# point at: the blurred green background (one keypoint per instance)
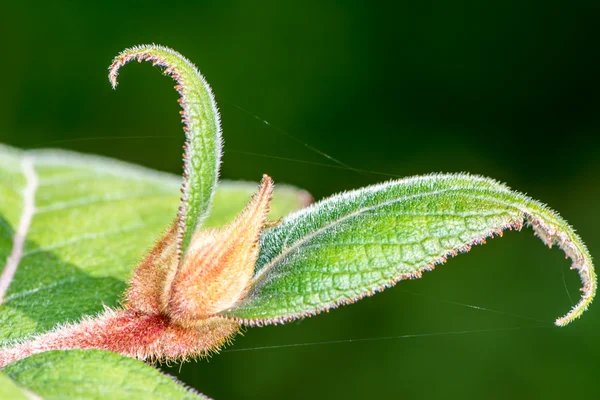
(506, 90)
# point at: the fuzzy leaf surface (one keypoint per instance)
(94, 374)
(360, 242)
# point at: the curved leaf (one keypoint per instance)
(202, 126)
(358, 243)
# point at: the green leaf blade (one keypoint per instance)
(94, 374)
(357, 243)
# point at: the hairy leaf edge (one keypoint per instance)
(546, 223)
(176, 70)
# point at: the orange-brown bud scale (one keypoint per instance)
(147, 285)
(217, 268)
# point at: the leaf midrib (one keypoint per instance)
(13, 261)
(286, 251)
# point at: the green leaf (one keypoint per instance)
(358, 243)
(93, 374)
(202, 126)
(93, 219)
(9, 390)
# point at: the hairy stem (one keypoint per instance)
(142, 336)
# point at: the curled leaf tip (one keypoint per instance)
(553, 230)
(146, 52)
(202, 126)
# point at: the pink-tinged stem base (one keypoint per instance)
(135, 335)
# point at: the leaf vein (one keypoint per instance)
(25, 222)
(89, 236)
(301, 242)
(86, 201)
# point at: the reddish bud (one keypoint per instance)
(172, 305)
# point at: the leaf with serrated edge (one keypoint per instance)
(358, 243)
(93, 220)
(94, 374)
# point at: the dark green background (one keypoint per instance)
(508, 91)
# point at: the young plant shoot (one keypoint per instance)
(202, 282)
